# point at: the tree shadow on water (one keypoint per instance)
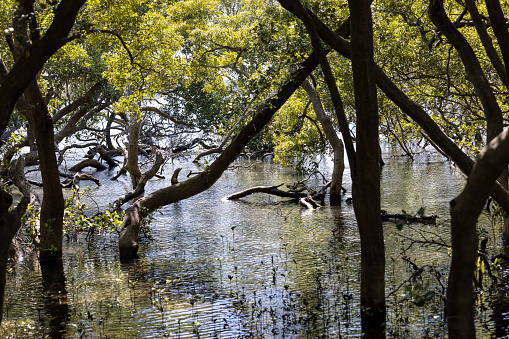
(55, 298)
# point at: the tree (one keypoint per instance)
(13, 83)
(35, 55)
(366, 182)
(465, 210)
(417, 113)
(128, 240)
(10, 221)
(335, 142)
(264, 112)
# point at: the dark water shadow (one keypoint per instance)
(55, 300)
(499, 303)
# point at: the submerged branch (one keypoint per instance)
(274, 190)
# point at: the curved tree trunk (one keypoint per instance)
(486, 41)
(465, 209)
(128, 240)
(107, 133)
(409, 107)
(498, 22)
(140, 188)
(335, 142)
(492, 111)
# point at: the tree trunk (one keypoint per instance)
(492, 111)
(128, 240)
(31, 62)
(109, 123)
(465, 210)
(498, 22)
(99, 166)
(366, 186)
(10, 222)
(335, 142)
(55, 299)
(487, 42)
(115, 206)
(132, 165)
(409, 107)
(52, 209)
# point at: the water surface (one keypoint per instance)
(257, 267)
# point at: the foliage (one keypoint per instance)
(298, 140)
(429, 70)
(76, 220)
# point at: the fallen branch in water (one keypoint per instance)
(408, 217)
(309, 203)
(274, 190)
(88, 163)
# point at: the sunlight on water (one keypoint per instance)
(256, 267)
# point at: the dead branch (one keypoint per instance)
(122, 171)
(234, 167)
(174, 177)
(309, 203)
(68, 147)
(193, 143)
(409, 218)
(273, 190)
(208, 152)
(88, 163)
(105, 154)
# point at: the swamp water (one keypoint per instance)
(253, 268)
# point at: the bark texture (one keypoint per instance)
(366, 185)
(465, 209)
(132, 165)
(52, 208)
